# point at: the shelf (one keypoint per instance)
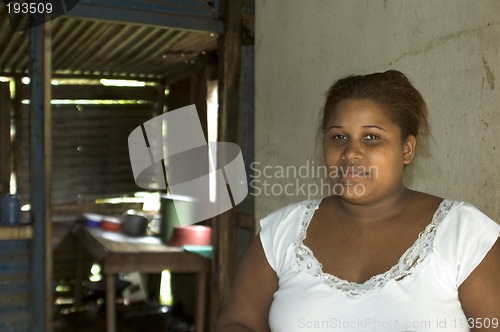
(24, 232)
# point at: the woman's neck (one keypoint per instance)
(384, 209)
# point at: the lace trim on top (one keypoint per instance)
(408, 262)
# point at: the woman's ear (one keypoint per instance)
(409, 149)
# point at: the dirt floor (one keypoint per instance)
(90, 316)
(136, 318)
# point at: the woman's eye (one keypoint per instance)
(338, 137)
(371, 137)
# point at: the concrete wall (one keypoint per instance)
(448, 48)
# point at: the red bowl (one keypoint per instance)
(111, 224)
(191, 235)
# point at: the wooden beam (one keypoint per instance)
(17, 232)
(225, 226)
(40, 176)
(102, 92)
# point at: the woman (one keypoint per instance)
(376, 255)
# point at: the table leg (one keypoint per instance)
(200, 303)
(79, 277)
(110, 303)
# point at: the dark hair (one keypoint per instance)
(391, 90)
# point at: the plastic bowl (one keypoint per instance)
(92, 220)
(111, 224)
(191, 235)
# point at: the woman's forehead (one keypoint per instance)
(358, 110)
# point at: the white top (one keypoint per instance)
(420, 293)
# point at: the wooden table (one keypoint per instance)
(120, 253)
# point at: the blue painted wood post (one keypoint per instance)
(40, 157)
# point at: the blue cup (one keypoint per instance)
(10, 210)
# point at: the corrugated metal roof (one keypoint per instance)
(85, 47)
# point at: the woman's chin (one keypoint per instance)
(348, 188)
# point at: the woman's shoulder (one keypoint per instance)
(281, 228)
(457, 221)
(291, 209)
(464, 236)
(443, 207)
(464, 213)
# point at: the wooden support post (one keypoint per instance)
(17, 145)
(5, 145)
(110, 302)
(40, 176)
(225, 225)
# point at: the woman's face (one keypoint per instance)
(364, 151)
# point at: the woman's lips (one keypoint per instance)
(353, 173)
(353, 176)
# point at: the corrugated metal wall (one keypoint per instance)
(90, 141)
(15, 313)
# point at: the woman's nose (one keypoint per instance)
(352, 151)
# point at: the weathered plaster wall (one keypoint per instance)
(450, 51)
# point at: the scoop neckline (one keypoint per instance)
(416, 254)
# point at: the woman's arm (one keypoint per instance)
(480, 293)
(251, 294)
